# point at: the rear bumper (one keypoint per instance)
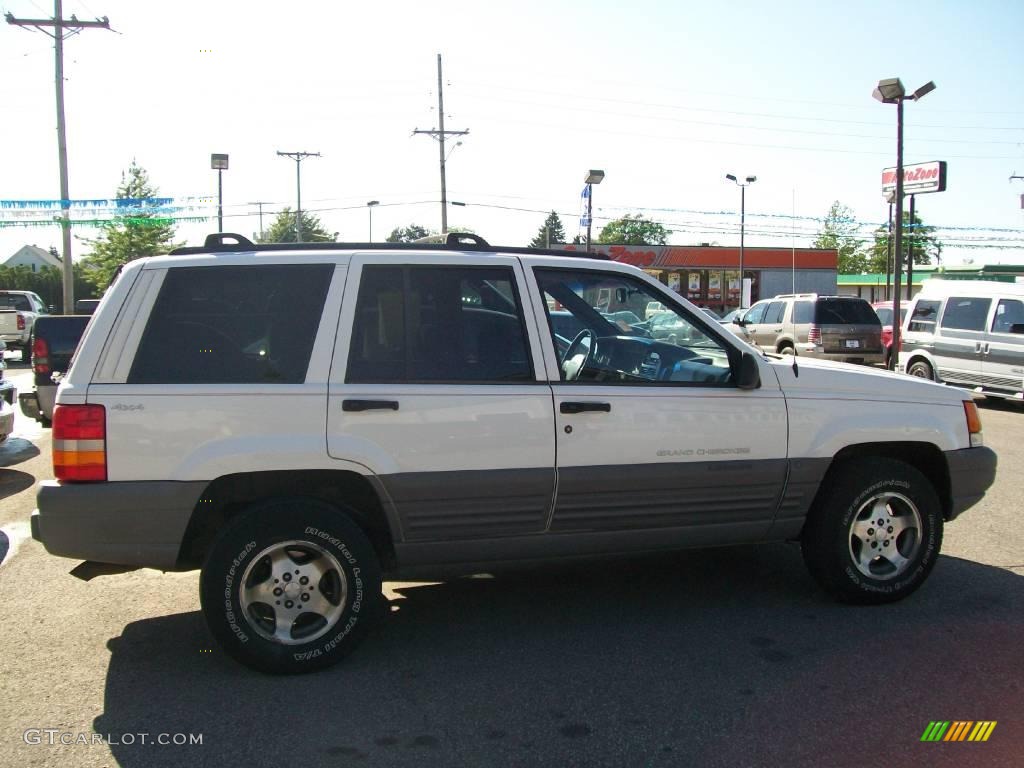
(139, 523)
(971, 472)
(853, 356)
(29, 404)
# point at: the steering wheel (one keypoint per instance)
(578, 353)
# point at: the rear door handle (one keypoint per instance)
(369, 405)
(569, 407)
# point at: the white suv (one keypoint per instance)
(300, 420)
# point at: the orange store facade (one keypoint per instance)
(709, 275)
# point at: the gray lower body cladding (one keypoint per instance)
(132, 523)
(971, 472)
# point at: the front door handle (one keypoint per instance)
(369, 405)
(570, 407)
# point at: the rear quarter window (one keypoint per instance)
(233, 325)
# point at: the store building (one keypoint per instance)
(877, 286)
(709, 275)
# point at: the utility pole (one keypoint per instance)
(260, 203)
(439, 134)
(298, 157)
(59, 24)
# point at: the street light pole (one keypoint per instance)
(369, 207)
(743, 216)
(592, 178)
(891, 91)
(219, 163)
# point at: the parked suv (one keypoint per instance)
(300, 420)
(967, 333)
(843, 328)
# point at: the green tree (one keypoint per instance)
(634, 230)
(551, 231)
(840, 232)
(408, 234)
(282, 229)
(128, 237)
(927, 247)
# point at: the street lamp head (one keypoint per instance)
(751, 179)
(730, 177)
(594, 177)
(372, 203)
(889, 91)
(219, 162)
(924, 90)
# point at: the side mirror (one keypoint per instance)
(738, 320)
(748, 374)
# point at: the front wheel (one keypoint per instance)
(291, 586)
(875, 533)
(922, 370)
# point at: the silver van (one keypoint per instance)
(967, 333)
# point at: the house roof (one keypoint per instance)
(33, 250)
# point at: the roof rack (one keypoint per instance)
(229, 242)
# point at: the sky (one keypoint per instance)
(664, 97)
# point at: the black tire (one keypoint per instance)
(786, 349)
(922, 369)
(836, 537)
(329, 554)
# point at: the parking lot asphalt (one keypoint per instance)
(727, 657)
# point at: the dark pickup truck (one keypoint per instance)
(54, 340)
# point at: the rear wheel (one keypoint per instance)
(922, 369)
(875, 533)
(291, 586)
(786, 349)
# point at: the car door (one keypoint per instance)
(653, 435)
(440, 392)
(959, 343)
(771, 326)
(1002, 363)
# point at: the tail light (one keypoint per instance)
(80, 443)
(40, 356)
(814, 335)
(973, 423)
(21, 322)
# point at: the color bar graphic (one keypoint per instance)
(958, 730)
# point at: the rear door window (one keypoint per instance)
(845, 312)
(233, 325)
(966, 313)
(438, 325)
(774, 312)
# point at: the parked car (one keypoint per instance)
(18, 313)
(54, 340)
(298, 421)
(8, 394)
(967, 333)
(842, 328)
(884, 311)
(653, 308)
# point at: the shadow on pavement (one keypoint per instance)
(15, 450)
(12, 481)
(724, 657)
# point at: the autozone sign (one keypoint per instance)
(917, 179)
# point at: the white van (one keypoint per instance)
(969, 333)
